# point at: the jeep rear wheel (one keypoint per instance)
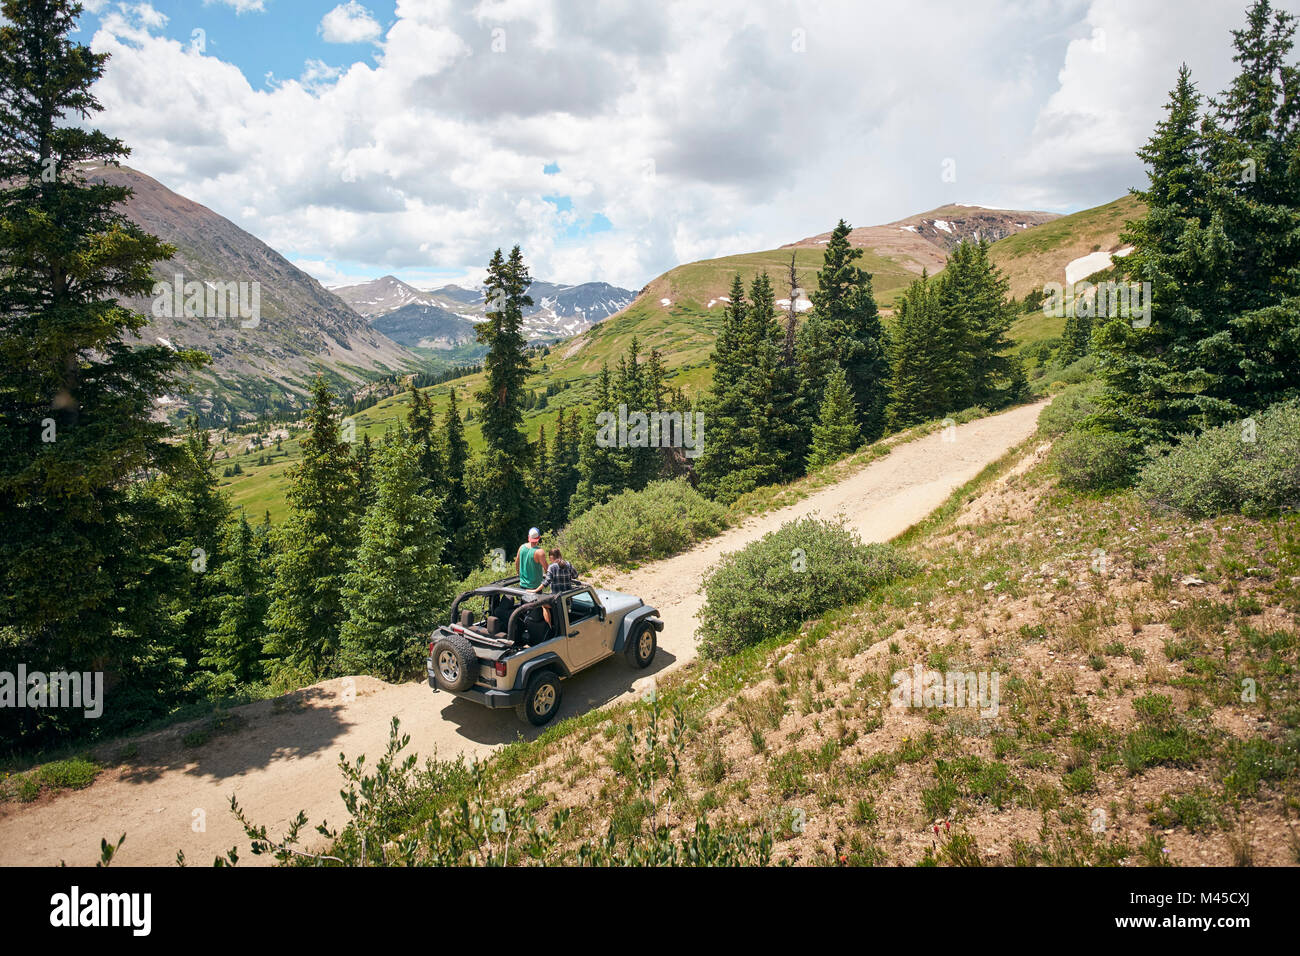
(641, 646)
(455, 665)
(541, 699)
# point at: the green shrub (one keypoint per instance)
(1196, 811)
(68, 774)
(1080, 780)
(1077, 371)
(1069, 408)
(797, 572)
(664, 518)
(1221, 471)
(969, 414)
(1094, 461)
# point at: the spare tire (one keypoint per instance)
(455, 665)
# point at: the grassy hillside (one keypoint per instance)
(1040, 255)
(261, 488)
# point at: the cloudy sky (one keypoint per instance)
(616, 140)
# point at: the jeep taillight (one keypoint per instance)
(431, 648)
(500, 668)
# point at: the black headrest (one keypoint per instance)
(493, 624)
(466, 618)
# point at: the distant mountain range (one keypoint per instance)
(301, 328)
(444, 318)
(352, 335)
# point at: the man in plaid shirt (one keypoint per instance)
(560, 576)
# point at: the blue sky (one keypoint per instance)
(613, 141)
(276, 39)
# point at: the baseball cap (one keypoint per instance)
(534, 533)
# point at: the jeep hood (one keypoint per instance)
(618, 603)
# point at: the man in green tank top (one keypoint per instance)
(530, 561)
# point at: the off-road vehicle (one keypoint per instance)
(499, 651)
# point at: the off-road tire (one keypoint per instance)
(537, 710)
(642, 646)
(455, 665)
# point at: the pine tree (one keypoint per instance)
(464, 541)
(500, 480)
(836, 432)
(539, 481)
(765, 438)
(365, 473)
(777, 396)
(725, 412)
(753, 412)
(791, 312)
(1076, 338)
(924, 363)
(425, 434)
(599, 474)
(201, 513)
(233, 651)
(977, 315)
(1252, 151)
(398, 582)
(844, 328)
(316, 546)
(1220, 246)
(640, 463)
(568, 445)
(76, 401)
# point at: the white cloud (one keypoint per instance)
(349, 23)
(240, 6)
(1112, 87)
(696, 129)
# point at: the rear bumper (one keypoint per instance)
(490, 697)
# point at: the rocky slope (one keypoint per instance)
(257, 362)
(924, 240)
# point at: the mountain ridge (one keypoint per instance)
(259, 363)
(558, 311)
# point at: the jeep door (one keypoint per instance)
(589, 629)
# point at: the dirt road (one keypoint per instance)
(283, 756)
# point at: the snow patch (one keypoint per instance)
(942, 224)
(665, 301)
(1085, 266)
(908, 228)
(801, 304)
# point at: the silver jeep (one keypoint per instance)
(499, 651)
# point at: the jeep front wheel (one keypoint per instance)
(641, 646)
(541, 699)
